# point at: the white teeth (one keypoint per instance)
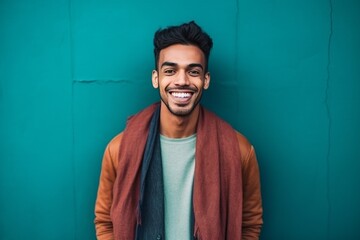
(181, 94)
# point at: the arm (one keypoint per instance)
(103, 223)
(252, 203)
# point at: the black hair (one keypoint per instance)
(186, 34)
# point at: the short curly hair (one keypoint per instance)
(186, 34)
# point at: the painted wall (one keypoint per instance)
(285, 73)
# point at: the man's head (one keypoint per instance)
(181, 75)
(185, 34)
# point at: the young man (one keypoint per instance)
(178, 171)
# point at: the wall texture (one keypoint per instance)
(285, 73)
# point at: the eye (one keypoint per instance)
(169, 71)
(194, 73)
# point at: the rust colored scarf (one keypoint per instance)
(217, 193)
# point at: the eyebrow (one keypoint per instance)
(192, 65)
(170, 64)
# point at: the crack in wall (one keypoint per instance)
(73, 161)
(100, 81)
(236, 35)
(236, 60)
(328, 114)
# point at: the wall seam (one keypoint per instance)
(328, 113)
(236, 34)
(236, 61)
(72, 119)
(100, 81)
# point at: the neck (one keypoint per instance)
(173, 126)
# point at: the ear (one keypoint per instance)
(155, 79)
(206, 80)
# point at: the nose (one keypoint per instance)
(182, 79)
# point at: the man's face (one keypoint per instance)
(181, 78)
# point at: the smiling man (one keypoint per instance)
(181, 77)
(178, 171)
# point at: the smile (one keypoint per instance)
(181, 94)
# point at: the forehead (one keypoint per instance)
(182, 55)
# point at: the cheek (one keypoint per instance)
(162, 87)
(164, 82)
(200, 83)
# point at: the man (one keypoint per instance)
(178, 171)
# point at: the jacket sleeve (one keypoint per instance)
(252, 202)
(103, 223)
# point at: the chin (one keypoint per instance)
(182, 111)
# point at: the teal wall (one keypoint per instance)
(285, 73)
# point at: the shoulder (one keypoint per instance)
(244, 144)
(247, 151)
(227, 130)
(113, 148)
(115, 142)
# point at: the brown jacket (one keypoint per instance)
(252, 205)
(252, 209)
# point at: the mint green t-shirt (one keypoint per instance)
(178, 161)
